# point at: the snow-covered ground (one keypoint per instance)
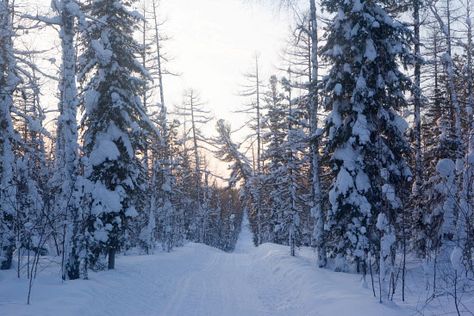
(200, 280)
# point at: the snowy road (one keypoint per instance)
(221, 287)
(197, 280)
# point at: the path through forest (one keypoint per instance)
(197, 280)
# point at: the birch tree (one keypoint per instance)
(8, 82)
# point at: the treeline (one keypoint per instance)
(116, 173)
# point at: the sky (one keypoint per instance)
(213, 44)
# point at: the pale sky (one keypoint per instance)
(213, 43)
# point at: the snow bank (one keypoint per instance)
(298, 287)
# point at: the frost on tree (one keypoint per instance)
(439, 222)
(195, 116)
(364, 90)
(274, 139)
(8, 83)
(240, 167)
(66, 182)
(283, 167)
(114, 123)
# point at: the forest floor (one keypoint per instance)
(197, 280)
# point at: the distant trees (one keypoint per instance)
(194, 117)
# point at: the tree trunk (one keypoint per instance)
(111, 258)
(316, 211)
(417, 100)
(158, 55)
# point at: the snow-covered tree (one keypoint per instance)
(435, 234)
(32, 170)
(8, 82)
(308, 60)
(364, 89)
(114, 122)
(241, 171)
(314, 109)
(66, 181)
(194, 117)
(160, 211)
(283, 176)
(274, 138)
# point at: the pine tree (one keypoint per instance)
(114, 122)
(364, 89)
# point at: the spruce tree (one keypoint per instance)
(364, 89)
(114, 122)
(283, 169)
(274, 139)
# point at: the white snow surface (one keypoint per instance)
(445, 167)
(245, 240)
(198, 280)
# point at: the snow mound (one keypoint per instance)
(445, 167)
(298, 287)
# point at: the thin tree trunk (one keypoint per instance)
(404, 265)
(197, 166)
(372, 275)
(259, 119)
(111, 258)
(464, 221)
(291, 184)
(317, 211)
(158, 53)
(417, 100)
